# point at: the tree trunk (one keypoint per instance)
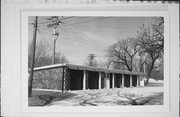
(149, 72)
(147, 80)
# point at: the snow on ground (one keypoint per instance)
(155, 81)
(150, 95)
(117, 96)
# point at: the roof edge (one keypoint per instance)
(50, 67)
(90, 68)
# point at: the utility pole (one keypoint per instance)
(54, 23)
(33, 57)
(55, 37)
(91, 59)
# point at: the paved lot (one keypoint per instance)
(151, 95)
(112, 97)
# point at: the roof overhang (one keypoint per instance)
(89, 68)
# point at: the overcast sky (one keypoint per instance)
(80, 36)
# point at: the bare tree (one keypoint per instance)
(151, 42)
(104, 64)
(43, 55)
(123, 52)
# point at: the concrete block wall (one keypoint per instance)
(48, 79)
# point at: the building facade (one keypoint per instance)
(67, 77)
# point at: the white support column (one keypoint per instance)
(141, 80)
(99, 80)
(84, 80)
(130, 80)
(137, 81)
(107, 80)
(113, 80)
(123, 80)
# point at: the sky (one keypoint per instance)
(81, 36)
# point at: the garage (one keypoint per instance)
(127, 80)
(76, 79)
(111, 80)
(93, 78)
(103, 76)
(118, 80)
(134, 80)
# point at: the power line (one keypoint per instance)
(84, 22)
(84, 42)
(80, 41)
(76, 19)
(76, 33)
(70, 17)
(100, 43)
(43, 23)
(47, 22)
(45, 31)
(92, 42)
(102, 18)
(87, 21)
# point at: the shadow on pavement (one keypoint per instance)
(45, 98)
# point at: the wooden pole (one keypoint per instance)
(54, 46)
(33, 57)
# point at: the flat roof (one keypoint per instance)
(89, 68)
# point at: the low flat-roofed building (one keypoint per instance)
(77, 77)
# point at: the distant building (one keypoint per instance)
(76, 77)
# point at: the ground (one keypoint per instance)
(150, 95)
